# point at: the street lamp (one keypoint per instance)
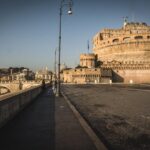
(62, 4)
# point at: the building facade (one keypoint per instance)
(87, 75)
(44, 74)
(17, 74)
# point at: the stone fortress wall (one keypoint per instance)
(87, 72)
(127, 71)
(126, 51)
(82, 75)
(130, 42)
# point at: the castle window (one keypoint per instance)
(115, 40)
(138, 37)
(126, 38)
(148, 37)
(100, 37)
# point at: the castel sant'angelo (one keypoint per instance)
(120, 55)
(126, 51)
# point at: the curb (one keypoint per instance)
(94, 138)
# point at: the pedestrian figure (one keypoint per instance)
(20, 85)
(43, 84)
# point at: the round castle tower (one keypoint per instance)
(126, 51)
(129, 43)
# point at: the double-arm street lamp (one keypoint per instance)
(63, 3)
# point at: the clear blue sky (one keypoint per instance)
(29, 28)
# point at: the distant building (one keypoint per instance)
(4, 77)
(15, 73)
(44, 74)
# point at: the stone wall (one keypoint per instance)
(11, 104)
(87, 75)
(136, 50)
(131, 76)
(82, 75)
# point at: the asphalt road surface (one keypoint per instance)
(120, 115)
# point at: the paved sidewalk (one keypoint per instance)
(69, 134)
(46, 124)
(33, 128)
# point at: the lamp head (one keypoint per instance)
(70, 11)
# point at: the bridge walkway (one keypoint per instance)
(46, 124)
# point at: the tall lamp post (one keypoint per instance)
(62, 4)
(55, 65)
(55, 74)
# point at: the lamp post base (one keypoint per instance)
(58, 94)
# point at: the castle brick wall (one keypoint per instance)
(136, 76)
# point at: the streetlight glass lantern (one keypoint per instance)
(70, 11)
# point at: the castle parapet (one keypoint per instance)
(131, 42)
(87, 60)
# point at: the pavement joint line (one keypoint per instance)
(94, 138)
